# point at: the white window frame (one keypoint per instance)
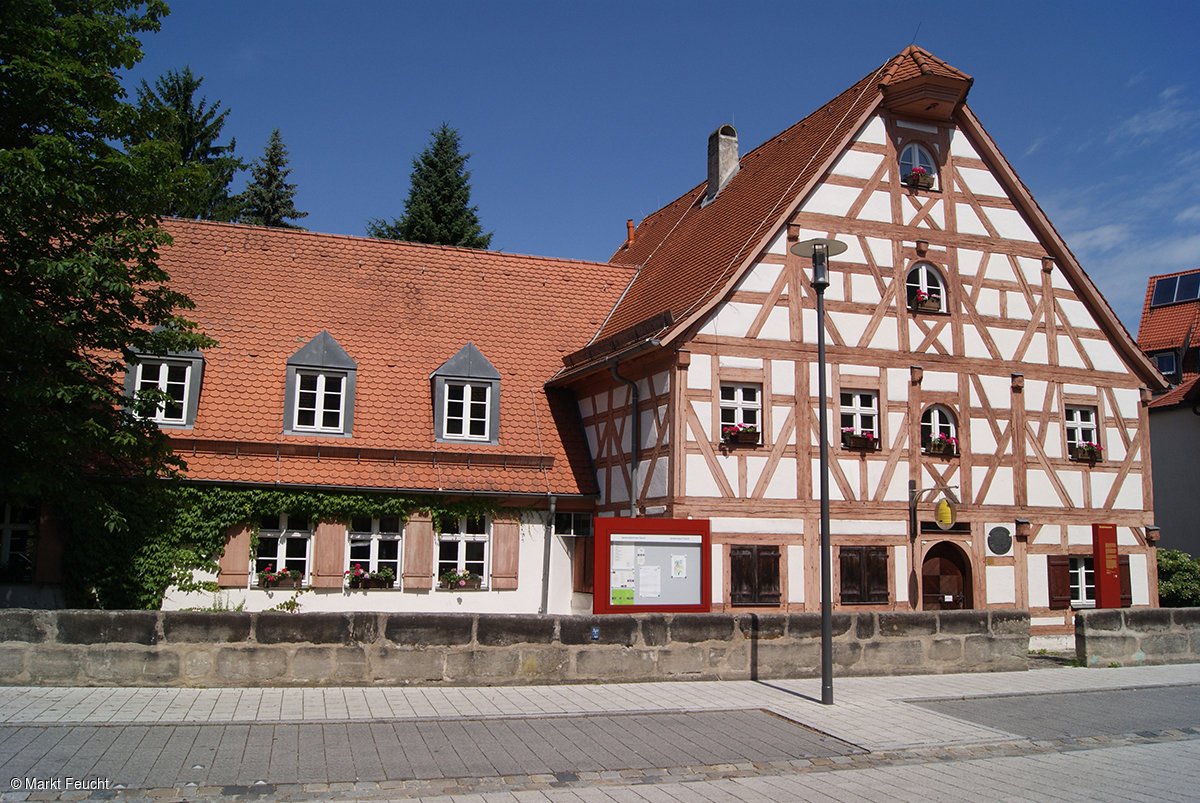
(467, 418)
(747, 413)
(282, 535)
(462, 538)
(856, 410)
(1083, 582)
(938, 418)
(373, 538)
(323, 395)
(920, 157)
(164, 368)
(928, 279)
(9, 527)
(1078, 428)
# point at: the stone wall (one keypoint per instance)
(181, 648)
(1134, 636)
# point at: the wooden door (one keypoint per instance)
(945, 579)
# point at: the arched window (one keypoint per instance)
(926, 290)
(916, 158)
(939, 431)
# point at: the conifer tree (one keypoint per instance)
(438, 209)
(269, 200)
(169, 112)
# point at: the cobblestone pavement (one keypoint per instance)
(949, 737)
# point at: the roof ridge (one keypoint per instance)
(385, 242)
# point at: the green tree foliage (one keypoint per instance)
(80, 287)
(169, 112)
(438, 209)
(269, 200)
(1178, 579)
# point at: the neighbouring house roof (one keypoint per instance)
(1167, 327)
(689, 256)
(397, 311)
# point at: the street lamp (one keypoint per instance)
(819, 250)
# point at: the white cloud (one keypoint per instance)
(1189, 215)
(1034, 146)
(1171, 115)
(1102, 238)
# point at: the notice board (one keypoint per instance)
(652, 565)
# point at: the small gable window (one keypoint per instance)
(925, 288)
(1165, 362)
(939, 431)
(321, 380)
(917, 168)
(173, 380)
(466, 398)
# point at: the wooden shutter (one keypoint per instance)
(850, 569)
(234, 565)
(506, 552)
(767, 575)
(328, 554)
(582, 563)
(1058, 567)
(741, 575)
(1126, 589)
(418, 552)
(47, 563)
(875, 574)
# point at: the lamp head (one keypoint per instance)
(819, 249)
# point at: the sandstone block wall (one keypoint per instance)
(1135, 636)
(182, 648)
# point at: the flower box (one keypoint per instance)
(945, 448)
(927, 305)
(461, 584)
(370, 582)
(864, 443)
(1087, 453)
(919, 181)
(279, 582)
(739, 435)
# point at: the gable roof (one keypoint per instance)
(1168, 327)
(397, 311)
(323, 352)
(468, 363)
(690, 256)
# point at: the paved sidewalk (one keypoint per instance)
(653, 741)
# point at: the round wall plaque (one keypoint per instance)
(999, 540)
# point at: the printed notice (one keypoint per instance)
(641, 556)
(621, 596)
(679, 567)
(622, 557)
(622, 578)
(650, 581)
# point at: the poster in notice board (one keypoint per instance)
(652, 565)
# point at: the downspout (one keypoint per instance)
(635, 440)
(546, 554)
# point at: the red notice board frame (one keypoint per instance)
(605, 528)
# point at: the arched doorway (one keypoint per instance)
(946, 579)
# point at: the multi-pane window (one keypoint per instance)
(320, 401)
(17, 530)
(939, 427)
(284, 542)
(754, 575)
(925, 288)
(462, 545)
(1173, 289)
(1081, 426)
(578, 526)
(741, 404)
(171, 379)
(863, 574)
(1165, 362)
(375, 544)
(914, 156)
(465, 415)
(860, 412)
(1083, 583)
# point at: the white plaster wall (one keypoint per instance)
(1001, 490)
(760, 278)
(777, 326)
(851, 326)
(887, 336)
(960, 145)
(1079, 534)
(1001, 584)
(1139, 579)
(779, 244)
(980, 182)
(730, 319)
(658, 478)
(1041, 491)
(783, 481)
(778, 420)
(754, 470)
(1103, 355)
(830, 199)
(849, 369)
(864, 289)
(1076, 313)
(878, 207)
(865, 527)
(1130, 495)
(881, 250)
(900, 561)
(700, 481)
(699, 373)
(795, 578)
(1125, 537)
(968, 221)
(731, 361)
(1068, 354)
(857, 164)
(562, 597)
(897, 381)
(1039, 583)
(783, 377)
(764, 526)
(939, 381)
(969, 261)
(718, 573)
(1010, 225)
(873, 131)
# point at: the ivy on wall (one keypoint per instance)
(181, 529)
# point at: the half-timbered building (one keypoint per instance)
(970, 358)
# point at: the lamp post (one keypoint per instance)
(819, 250)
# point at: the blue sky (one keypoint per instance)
(580, 115)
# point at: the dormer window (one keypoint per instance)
(466, 398)
(175, 379)
(917, 168)
(1165, 362)
(321, 379)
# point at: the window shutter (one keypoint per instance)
(850, 568)
(506, 552)
(582, 565)
(768, 575)
(876, 579)
(1058, 568)
(1126, 590)
(328, 554)
(234, 565)
(47, 564)
(741, 575)
(418, 552)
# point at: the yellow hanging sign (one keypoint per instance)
(945, 514)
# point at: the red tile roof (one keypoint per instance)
(399, 310)
(1166, 327)
(1187, 391)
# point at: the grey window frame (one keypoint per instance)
(468, 367)
(322, 355)
(194, 363)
